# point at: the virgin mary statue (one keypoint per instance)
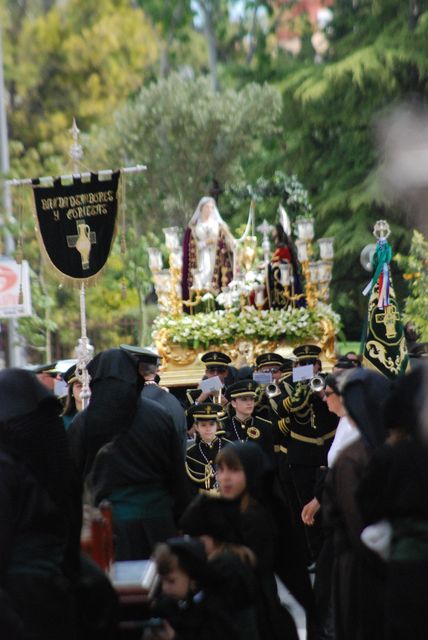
(207, 250)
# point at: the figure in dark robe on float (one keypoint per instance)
(284, 254)
(208, 248)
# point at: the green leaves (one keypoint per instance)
(75, 60)
(188, 135)
(415, 268)
(374, 60)
(216, 328)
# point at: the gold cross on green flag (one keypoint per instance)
(385, 348)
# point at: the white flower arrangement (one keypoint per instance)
(215, 328)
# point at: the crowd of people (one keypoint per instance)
(276, 472)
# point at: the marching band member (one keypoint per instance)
(245, 425)
(216, 364)
(200, 457)
(312, 429)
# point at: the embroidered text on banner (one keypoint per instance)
(77, 224)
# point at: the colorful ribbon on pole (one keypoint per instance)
(380, 262)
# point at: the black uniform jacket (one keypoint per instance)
(311, 427)
(200, 463)
(255, 429)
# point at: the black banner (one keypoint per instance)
(77, 224)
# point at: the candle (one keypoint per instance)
(305, 229)
(172, 240)
(285, 274)
(302, 250)
(155, 259)
(326, 248)
(260, 297)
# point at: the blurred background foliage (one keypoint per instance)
(210, 92)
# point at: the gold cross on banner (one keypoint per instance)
(389, 317)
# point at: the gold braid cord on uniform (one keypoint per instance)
(299, 399)
(283, 426)
(202, 477)
(320, 442)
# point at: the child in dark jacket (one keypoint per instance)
(242, 469)
(189, 606)
(216, 521)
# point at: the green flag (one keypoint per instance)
(385, 349)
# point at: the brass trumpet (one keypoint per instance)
(271, 390)
(317, 384)
(217, 396)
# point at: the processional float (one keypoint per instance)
(272, 302)
(267, 299)
(77, 218)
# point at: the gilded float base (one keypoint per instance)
(182, 366)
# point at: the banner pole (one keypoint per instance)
(47, 180)
(84, 349)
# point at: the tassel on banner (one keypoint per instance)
(19, 255)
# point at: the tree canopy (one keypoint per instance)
(376, 58)
(203, 94)
(74, 59)
(189, 136)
